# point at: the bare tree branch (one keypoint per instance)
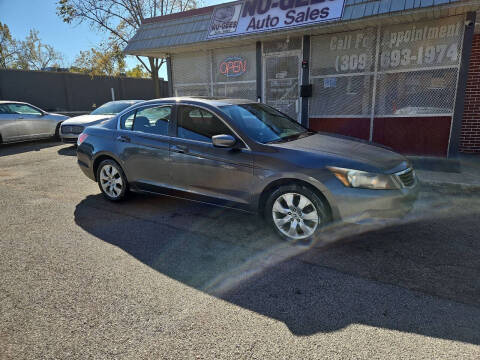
(121, 19)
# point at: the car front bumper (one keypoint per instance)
(362, 205)
(69, 132)
(69, 138)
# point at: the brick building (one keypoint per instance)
(470, 135)
(403, 73)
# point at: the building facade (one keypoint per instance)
(401, 73)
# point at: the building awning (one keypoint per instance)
(187, 31)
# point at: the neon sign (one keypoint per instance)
(233, 66)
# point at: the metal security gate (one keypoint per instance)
(282, 76)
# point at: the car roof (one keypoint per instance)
(12, 102)
(208, 100)
(124, 101)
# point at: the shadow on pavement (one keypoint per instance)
(22, 147)
(233, 256)
(68, 151)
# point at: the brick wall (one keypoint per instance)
(470, 136)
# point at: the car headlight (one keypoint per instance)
(366, 180)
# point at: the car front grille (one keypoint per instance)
(407, 177)
(72, 129)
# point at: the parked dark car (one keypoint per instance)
(249, 156)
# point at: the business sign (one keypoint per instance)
(233, 66)
(411, 46)
(254, 16)
(422, 45)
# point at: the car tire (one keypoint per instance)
(112, 180)
(57, 133)
(296, 213)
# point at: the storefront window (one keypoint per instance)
(229, 72)
(234, 72)
(191, 73)
(418, 68)
(342, 68)
(345, 95)
(413, 67)
(416, 93)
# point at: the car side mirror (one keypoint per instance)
(224, 141)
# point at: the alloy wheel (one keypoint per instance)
(111, 181)
(295, 216)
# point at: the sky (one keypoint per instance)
(23, 15)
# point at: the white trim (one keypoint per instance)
(192, 84)
(414, 115)
(377, 116)
(456, 88)
(282, 78)
(369, 73)
(432, 68)
(235, 82)
(340, 116)
(373, 97)
(211, 71)
(299, 54)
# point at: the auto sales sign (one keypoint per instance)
(253, 16)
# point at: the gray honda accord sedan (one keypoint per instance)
(248, 156)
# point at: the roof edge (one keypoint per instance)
(179, 15)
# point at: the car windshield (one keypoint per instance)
(111, 108)
(264, 124)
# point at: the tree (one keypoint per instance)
(8, 47)
(29, 54)
(32, 54)
(137, 72)
(121, 19)
(106, 60)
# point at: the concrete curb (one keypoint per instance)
(450, 188)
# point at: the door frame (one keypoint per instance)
(299, 54)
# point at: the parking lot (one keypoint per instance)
(157, 277)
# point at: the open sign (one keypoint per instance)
(233, 66)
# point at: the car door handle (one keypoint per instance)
(123, 138)
(181, 149)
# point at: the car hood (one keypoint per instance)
(87, 119)
(57, 116)
(378, 157)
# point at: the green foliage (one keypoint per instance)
(8, 47)
(137, 72)
(120, 19)
(29, 54)
(35, 55)
(105, 60)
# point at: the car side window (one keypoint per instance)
(126, 121)
(198, 124)
(153, 120)
(24, 109)
(4, 109)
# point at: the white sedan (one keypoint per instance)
(74, 126)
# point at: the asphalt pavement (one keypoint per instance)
(162, 278)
